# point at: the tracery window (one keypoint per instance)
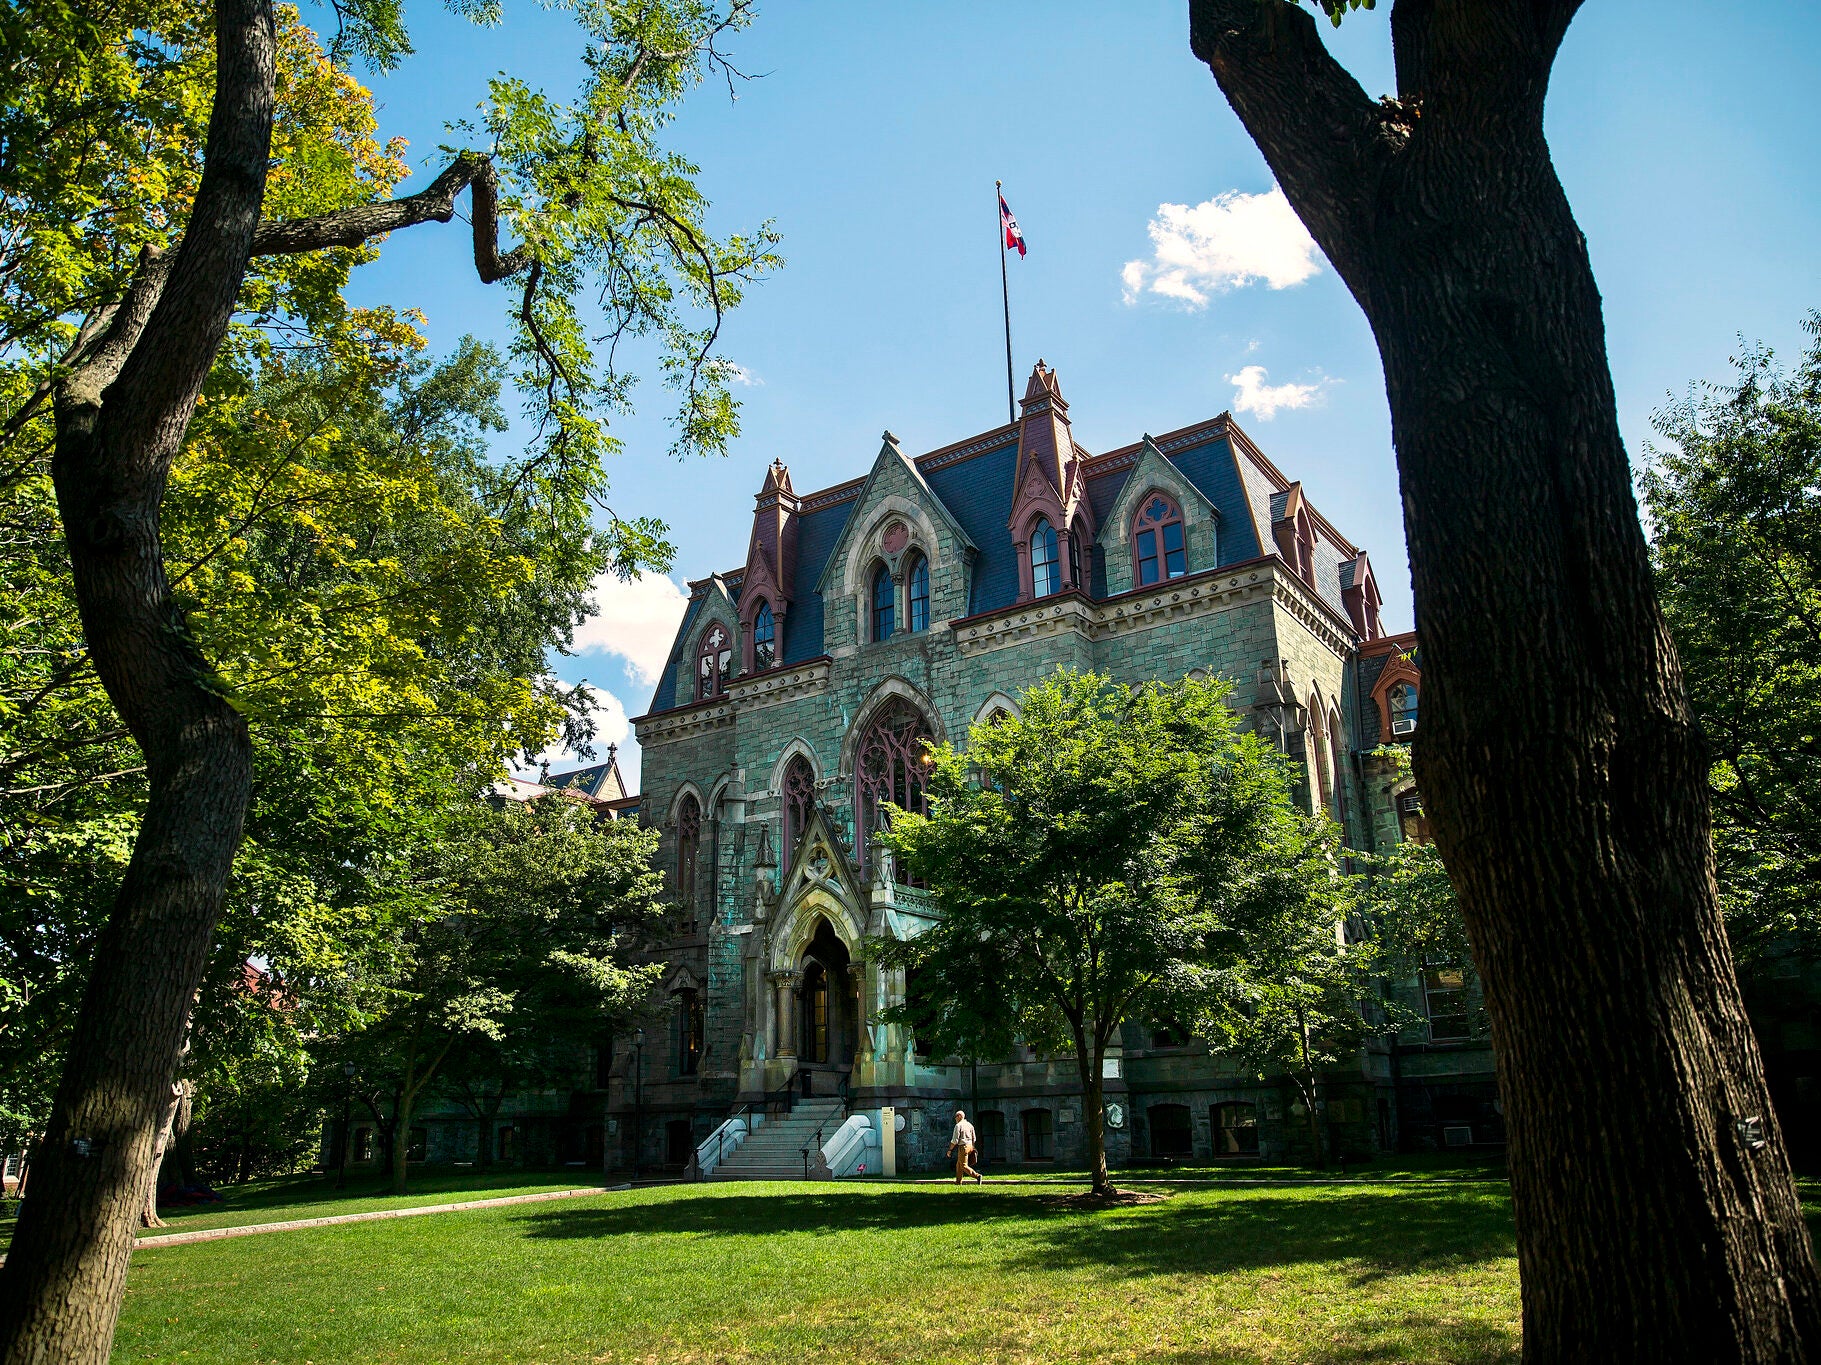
(891, 765)
(1401, 702)
(689, 843)
(714, 661)
(919, 594)
(1045, 571)
(764, 639)
(1157, 546)
(884, 605)
(799, 801)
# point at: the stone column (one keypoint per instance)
(862, 972)
(785, 985)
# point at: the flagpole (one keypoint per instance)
(1005, 296)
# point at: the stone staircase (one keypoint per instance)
(774, 1151)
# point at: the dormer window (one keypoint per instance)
(1046, 577)
(764, 639)
(714, 661)
(1400, 701)
(884, 591)
(1157, 544)
(918, 599)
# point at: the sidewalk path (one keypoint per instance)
(171, 1239)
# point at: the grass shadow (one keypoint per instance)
(1378, 1234)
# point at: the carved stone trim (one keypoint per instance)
(1201, 594)
(779, 684)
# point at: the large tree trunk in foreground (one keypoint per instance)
(120, 421)
(1563, 772)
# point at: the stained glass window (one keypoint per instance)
(799, 800)
(1046, 577)
(890, 766)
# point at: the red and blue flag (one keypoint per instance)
(1013, 236)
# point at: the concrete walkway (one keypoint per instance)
(249, 1229)
(170, 1239)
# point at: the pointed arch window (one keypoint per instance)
(764, 639)
(890, 766)
(1075, 538)
(1046, 576)
(714, 661)
(917, 601)
(1157, 544)
(884, 593)
(689, 843)
(799, 801)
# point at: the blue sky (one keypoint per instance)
(1685, 134)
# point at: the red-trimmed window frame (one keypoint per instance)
(1168, 562)
(714, 662)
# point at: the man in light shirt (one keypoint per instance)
(961, 1145)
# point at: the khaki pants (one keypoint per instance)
(963, 1166)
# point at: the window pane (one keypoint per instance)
(1147, 557)
(1175, 562)
(1045, 579)
(764, 638)
(883, 613)
(919, 596)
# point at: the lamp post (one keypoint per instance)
(347, 1101)
(638, 1099)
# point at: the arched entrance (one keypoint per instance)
(827, 1020)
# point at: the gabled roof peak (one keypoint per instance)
(1043, 385)
(777, 478)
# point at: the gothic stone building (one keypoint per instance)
(909, 604)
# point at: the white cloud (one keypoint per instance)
(1223, 243)
(636, 621)
(610, 727)
(739, 374)
(1263, 400)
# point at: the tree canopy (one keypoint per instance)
(1094, 858)
(1734, 499)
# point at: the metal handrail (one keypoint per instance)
(841, 1094)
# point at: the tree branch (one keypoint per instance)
(1325, 140)
(434, 203)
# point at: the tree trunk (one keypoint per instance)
(1092, 1119)
(401, 1143)
(1560, 765)
(148, 1215)
(120, 420)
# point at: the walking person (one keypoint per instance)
(961, 1145)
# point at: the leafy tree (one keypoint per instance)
(1735, 515)
(110, 345)
(1089, 857)
(540, 906)
(1304, 995)
(1561, 764)
(379, 598)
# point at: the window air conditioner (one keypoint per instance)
(1403, 726)
(1457, 1137)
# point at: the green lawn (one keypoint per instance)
(858, 1272)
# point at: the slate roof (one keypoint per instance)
(974, 481)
